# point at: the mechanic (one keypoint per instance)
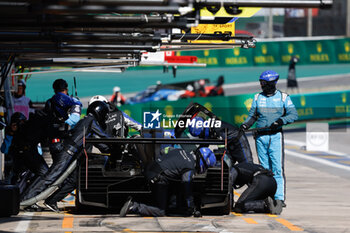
(171, 166)
(117, 118)
(237, 142)
(116, 125)
(72, 147)
(22, 103)
(64, 112)
(261, 188)
(271, 109)
(21, 143)
(117, 98)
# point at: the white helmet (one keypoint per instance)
(97, 98)
(116, 89)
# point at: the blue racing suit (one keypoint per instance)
(265, 111)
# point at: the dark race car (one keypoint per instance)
(101, 185)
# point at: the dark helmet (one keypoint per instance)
(207, 159)
(18, 118)
(99, 110)
(197, 129)
(21, 82)
(59, 85)
(268, 80)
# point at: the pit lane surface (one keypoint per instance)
(318, 187)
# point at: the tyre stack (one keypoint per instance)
(9, 200)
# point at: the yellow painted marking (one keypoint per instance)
(311, 152)
(148, 217)
(329, 156)
(127, 229)
(250, 220)
(67, 232)
(346, 162)
(292, 147)
(236, 214)
(289, 225)
(272, 215)
(237, 194)
(67, 221)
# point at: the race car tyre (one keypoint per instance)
(9, 200)
(226, 210)
(80, 208)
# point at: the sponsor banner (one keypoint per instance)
(266, 54)
(319, 52)
(278, 53)
(289, 49)
(234, 109)
(236, 57)
(343, 50)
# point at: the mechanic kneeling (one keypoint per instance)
(71, 148)
(261, 189)
(172, 165)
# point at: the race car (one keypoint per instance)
(175, 91)
(100, 185)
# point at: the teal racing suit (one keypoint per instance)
(265, 111)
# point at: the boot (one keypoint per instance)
(273, 206)
(127, 208)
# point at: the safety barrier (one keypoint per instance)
(278, 53)
(234, 109)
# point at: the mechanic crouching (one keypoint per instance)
(262, 186)
(72, 147)
(21, 143)
(117, 124)
(173, 165)
(237, 143)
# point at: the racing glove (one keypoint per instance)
(73, 119)
(275, 125)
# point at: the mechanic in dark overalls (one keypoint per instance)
(172, 165)
(117, 124)
(21, 142)
(72, 147)
(237, 143)
(258, 197)
(64, 113)
(117, 118)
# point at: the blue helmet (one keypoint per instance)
(269, 76)
(198, 131)
(208, 160)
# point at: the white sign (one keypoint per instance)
(317, 137)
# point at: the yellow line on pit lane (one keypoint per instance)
(129, 230)
(286, 223)
(247, 220)
(68, 221)
(250, 221)
(289, 225)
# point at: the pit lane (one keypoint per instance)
(317, 201)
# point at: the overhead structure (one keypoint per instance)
(91, 33)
